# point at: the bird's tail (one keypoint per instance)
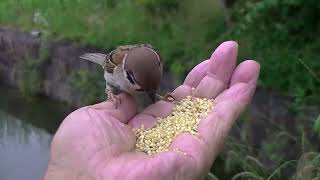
(98, 58)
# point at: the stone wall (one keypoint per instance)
(16, 47)
(62, 61)
(266, 110)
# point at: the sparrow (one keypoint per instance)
(132, 69)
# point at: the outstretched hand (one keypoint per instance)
(97, 141)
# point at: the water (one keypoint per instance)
(26, 130)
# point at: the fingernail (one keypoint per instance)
(250, 71)
(253, 75)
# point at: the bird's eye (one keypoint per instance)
(130, 77)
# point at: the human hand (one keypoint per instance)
(97, 141)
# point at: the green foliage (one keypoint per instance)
(239, 164)
(159, 7)
(282, 35)
(89, 85)
(29, 77)
(274, 149)
(29, 73)
(316, 125)
(182, 31)
(211, 176)
(281, 154)
(288, 20)
(308, 166)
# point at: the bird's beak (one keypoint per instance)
(152, 95)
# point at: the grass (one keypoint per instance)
(284, 153)
(284, 42)
(30, 82)
(185, 33)
(29, 73)
(88, 85)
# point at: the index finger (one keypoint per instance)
(228, 106)
(213, 130)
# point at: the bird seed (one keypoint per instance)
(184, 118)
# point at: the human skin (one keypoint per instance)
(96, 142)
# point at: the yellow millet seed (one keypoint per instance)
(185, 117)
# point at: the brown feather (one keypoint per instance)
(144, 63)
(97, 58)
(117, 55)
(109, 66)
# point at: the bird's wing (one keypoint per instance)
(101, 59)
(109, 66)
(117, 55)
(97, 58)
(114, 58)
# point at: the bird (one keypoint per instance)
(133, 69)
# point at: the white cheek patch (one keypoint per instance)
(124, 62)
(126, 80)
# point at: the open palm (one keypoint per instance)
(97, 141)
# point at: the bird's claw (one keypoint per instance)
(168, 97)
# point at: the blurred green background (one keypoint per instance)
(282, 35)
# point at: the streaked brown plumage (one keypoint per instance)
(131, 68)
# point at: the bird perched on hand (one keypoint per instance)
(130, 68)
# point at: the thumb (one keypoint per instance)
(124, 111)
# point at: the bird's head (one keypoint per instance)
(142, 66)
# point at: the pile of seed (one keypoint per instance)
(185, 117)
